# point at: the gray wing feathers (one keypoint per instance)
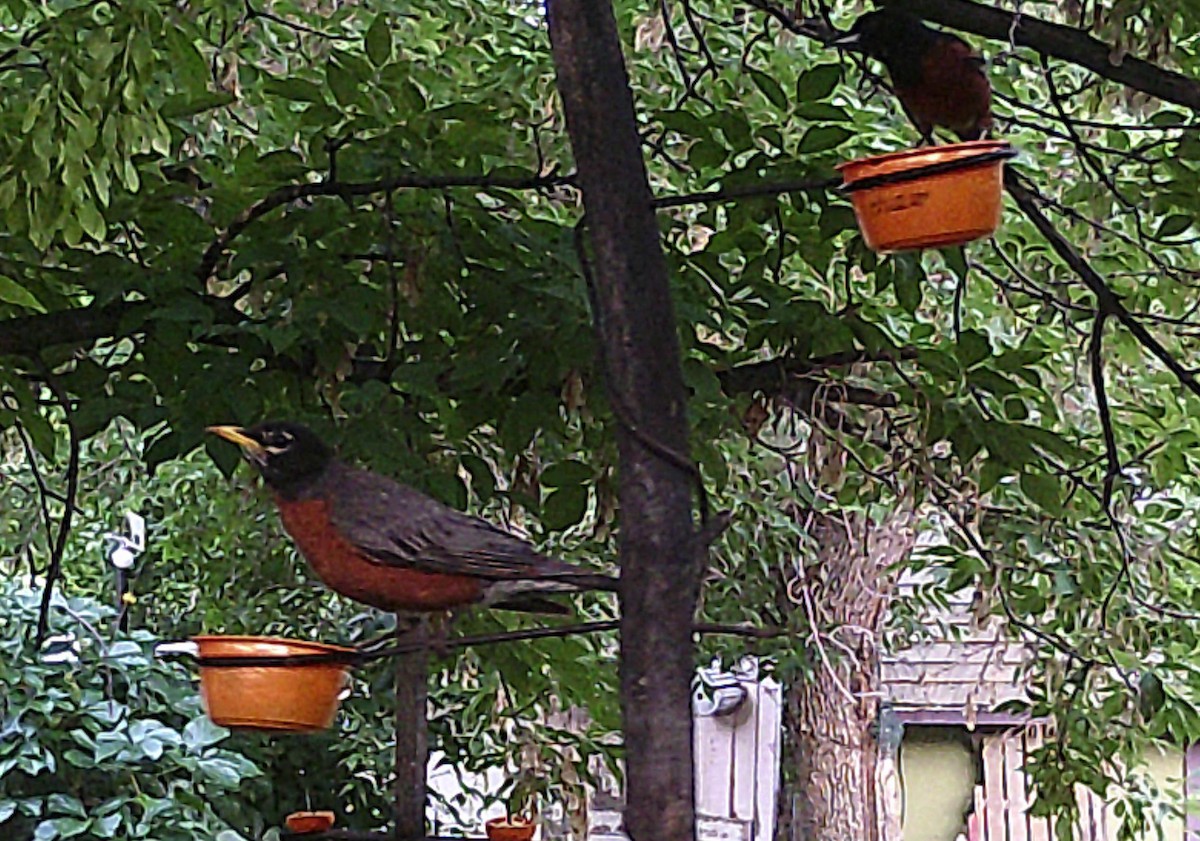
(398, 526)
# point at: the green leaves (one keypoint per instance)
(770, 88)
(343, 82)
(564, 507)
(818, 82)
(972, 348)
(297, 90)
(82, 131)
(378, 41)
(566, 473)
(12, 292)
(906, 275)
(1174, 225)
(567, 504)
(125, 711)
(820, 138)
(1044, 490)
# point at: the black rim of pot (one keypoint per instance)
(939, 168)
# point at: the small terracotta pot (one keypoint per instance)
(941, 195)
(305, 822)
(510, 829)
(296, 698)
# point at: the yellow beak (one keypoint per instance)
(238, 436)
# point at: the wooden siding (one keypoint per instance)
(1002, 800)
(1191, 770)
(737, 766)
(737, 771)
(962, 669)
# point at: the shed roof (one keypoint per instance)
(961, 672)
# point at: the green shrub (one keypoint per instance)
(103, 740)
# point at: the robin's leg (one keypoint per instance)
(923, 128)
(438, 636)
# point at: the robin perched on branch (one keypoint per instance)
(389, 546)
(938, 78)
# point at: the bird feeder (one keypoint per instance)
(930, 197)
(263, 683)
(303, 823)
(510, 829)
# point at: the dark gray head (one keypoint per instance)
(897, 38)
(287, 454)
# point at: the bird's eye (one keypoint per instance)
(278, 441)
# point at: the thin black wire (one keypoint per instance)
(355, 658)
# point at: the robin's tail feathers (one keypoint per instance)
(499, 592)
(590, 581)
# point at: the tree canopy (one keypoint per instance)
(367, 217)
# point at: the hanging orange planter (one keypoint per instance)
(510, 829)
(273, 696)
(931, 197)
(303, 823)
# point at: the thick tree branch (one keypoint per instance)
(634, 315)
(1049, 39)
(27, 335)
(1062, 42)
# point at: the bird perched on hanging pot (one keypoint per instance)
(938, 79)
(387, 545)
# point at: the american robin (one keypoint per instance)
(938, 78)
(389, 546)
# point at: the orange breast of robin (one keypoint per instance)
(954, 92)
(345, 568)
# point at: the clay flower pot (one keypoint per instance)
(305, 822)
(510, 829)
(931, 197)
(298, 698)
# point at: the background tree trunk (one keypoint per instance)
(831, 790)
(635, 323)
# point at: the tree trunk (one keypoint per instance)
(833, 792)
(635, 324)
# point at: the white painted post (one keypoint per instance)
(737, 774)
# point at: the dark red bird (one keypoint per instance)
(387, 545)
(938, 78)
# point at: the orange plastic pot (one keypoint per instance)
(509, 829)
(306, 822)
(295, 698)
(930, 197)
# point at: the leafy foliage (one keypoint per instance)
(363, 219)
(101, 740)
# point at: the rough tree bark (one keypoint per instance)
(635, 324)
(832, 791)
